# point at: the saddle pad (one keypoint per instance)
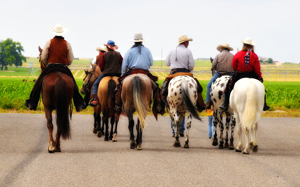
(179, 74)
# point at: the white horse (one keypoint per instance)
(217, 98)
(247, 101)
(182, 97)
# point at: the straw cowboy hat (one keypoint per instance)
(248, 41)
(58, 30)
(138, 37)
(101, 48)
(184, 38)
(224, 45)
(111, 44)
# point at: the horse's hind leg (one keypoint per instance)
(112, 121)
(130, 127)
(48, 114)
(105, 122)
(57, 140)
(139, 136)
(188, 127)
(253, 142)
(215, 122)
(239, 132)
(232, 126)
(116, 129)
(221, 125)
(228, 117)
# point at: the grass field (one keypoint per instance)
(283, 87)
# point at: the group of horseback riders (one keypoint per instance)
(57, 55)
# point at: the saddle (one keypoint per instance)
(164, 85)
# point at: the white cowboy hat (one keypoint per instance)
(58, 30)
(224, 45)
(101, 48)
(248, 41)
(184, 38)
(138, 37)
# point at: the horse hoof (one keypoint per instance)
(95, 131)
(177, 144)
(221, 146)
(245, 153)
(99, 134)
(238, 150)
(255, 148)
(226, 145)
(132, 145)
(186, 146)
(215, 142)
(231, 148)
(49, 151)
(139, 147)
(114, 141)
(106, 139)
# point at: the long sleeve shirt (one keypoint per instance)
(184, 58)
(133, 59)
(238, 63)
(222, 62)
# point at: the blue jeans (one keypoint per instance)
(210, 126)
(96, 84)
(216, 75)
(181, 128)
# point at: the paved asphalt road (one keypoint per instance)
(86, 160)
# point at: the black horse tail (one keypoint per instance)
(187, 100)
(61, 104)
(111, 91)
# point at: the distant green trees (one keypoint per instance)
(11, 53)
(270, 61)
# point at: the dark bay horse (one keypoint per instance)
(136, 96)
(57, 92)
(105, 95)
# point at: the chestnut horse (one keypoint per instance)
(57, 93)
(105, 95)
(136, 96)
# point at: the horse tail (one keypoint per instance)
(111, 90)
(61, 103)
(138, 101)
(187, 100)
(249, 114)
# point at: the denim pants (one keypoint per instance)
(210, 126)
(96, 84)
(181, 128)
(216, 75)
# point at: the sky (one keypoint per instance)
(273, 24)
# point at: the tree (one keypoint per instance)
(11, 53)
(270, 61)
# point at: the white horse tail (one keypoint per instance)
(251, 106)
(138, 101)
(187, 100)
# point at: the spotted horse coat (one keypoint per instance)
(217, 97)
(182, 97)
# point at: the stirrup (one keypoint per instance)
(93, 103)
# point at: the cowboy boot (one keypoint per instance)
(200, 103)
(208, 105)
(94, 101)
(266, 107)
(118, 100)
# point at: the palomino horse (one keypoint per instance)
(86, 89)
(182, 97)
(217, 98)
(57, 93)
(247, 102)
(105, 95)
(136, 96)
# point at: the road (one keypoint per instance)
(86, 160)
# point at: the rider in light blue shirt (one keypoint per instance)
(135, 59)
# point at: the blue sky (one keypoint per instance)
(273, 25)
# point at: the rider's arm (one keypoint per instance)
(101, 63)
(235, 62)
(168, 61)
(214, 64)
(45, 52)
(257, 66)
(125, 62)
(70, 55)
(191, 61)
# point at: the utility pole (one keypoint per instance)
(161, 58)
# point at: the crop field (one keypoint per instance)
(282, 83)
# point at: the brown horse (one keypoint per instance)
(57, 93)
(105, 95)
(86, 89)
(136, 96)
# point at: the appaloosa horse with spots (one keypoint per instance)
(217, 98)
(182, 97)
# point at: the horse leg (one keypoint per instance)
(57, 140)
(232, 126)
(247, 148)
(253, 142)
(188, 127)
(228, 117)
(215, 122)
(239, 132)
(115, 131)
(176, 127)
(139, 136)
(105, 122)
(112, 121)
(48, 114)
(221, 125)
(98, 122)
(130, 127)
(95, 123)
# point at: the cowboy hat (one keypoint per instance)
(58, 30)
(224, 45)
(248, 41)
(184, 38)
(138, 37)
(111, 44)
(101, 48)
